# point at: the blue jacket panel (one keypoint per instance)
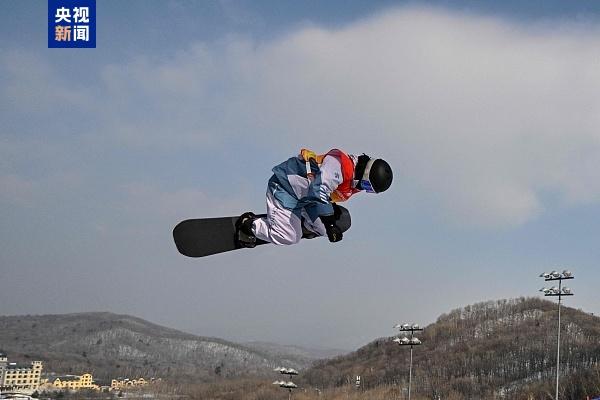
(281, 188)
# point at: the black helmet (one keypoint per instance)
(374, 175)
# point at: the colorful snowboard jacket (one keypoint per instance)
(331, 178)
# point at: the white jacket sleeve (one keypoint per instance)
(326, 181)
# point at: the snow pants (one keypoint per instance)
(283, 226)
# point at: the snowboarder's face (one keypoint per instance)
(364, 182)
(365, 185)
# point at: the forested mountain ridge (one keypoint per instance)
(110, 345)
(490, 348)
(496, 348)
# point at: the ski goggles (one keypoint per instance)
(365, 183)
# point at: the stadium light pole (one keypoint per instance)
(289, 385)
(406, 341)
(559, 292)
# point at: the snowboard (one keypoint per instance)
(208, 236)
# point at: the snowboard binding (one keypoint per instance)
(244, 236)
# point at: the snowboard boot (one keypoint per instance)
(306, 232)
(243, 230)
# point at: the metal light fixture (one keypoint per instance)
(559, 292)
(408, 341)
(286, 371)
(289, 385)
(286, 385)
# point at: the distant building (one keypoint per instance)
(3, 363)
(19, 377)
(74, 382)
(69, 382)
(104, 385)
(126, 382)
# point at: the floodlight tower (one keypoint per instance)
(406, 341)
(559, 292)
(289, 385)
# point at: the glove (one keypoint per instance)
(337, 211)
(334, 233)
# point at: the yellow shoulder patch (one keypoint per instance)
(307, 155)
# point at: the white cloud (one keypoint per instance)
(49, 191)
(156, 204)
(479, 116)
(36, 89)
(482, 115)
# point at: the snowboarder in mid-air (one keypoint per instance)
(301, 203)
(303, 192)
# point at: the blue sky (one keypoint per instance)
(487, 111)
